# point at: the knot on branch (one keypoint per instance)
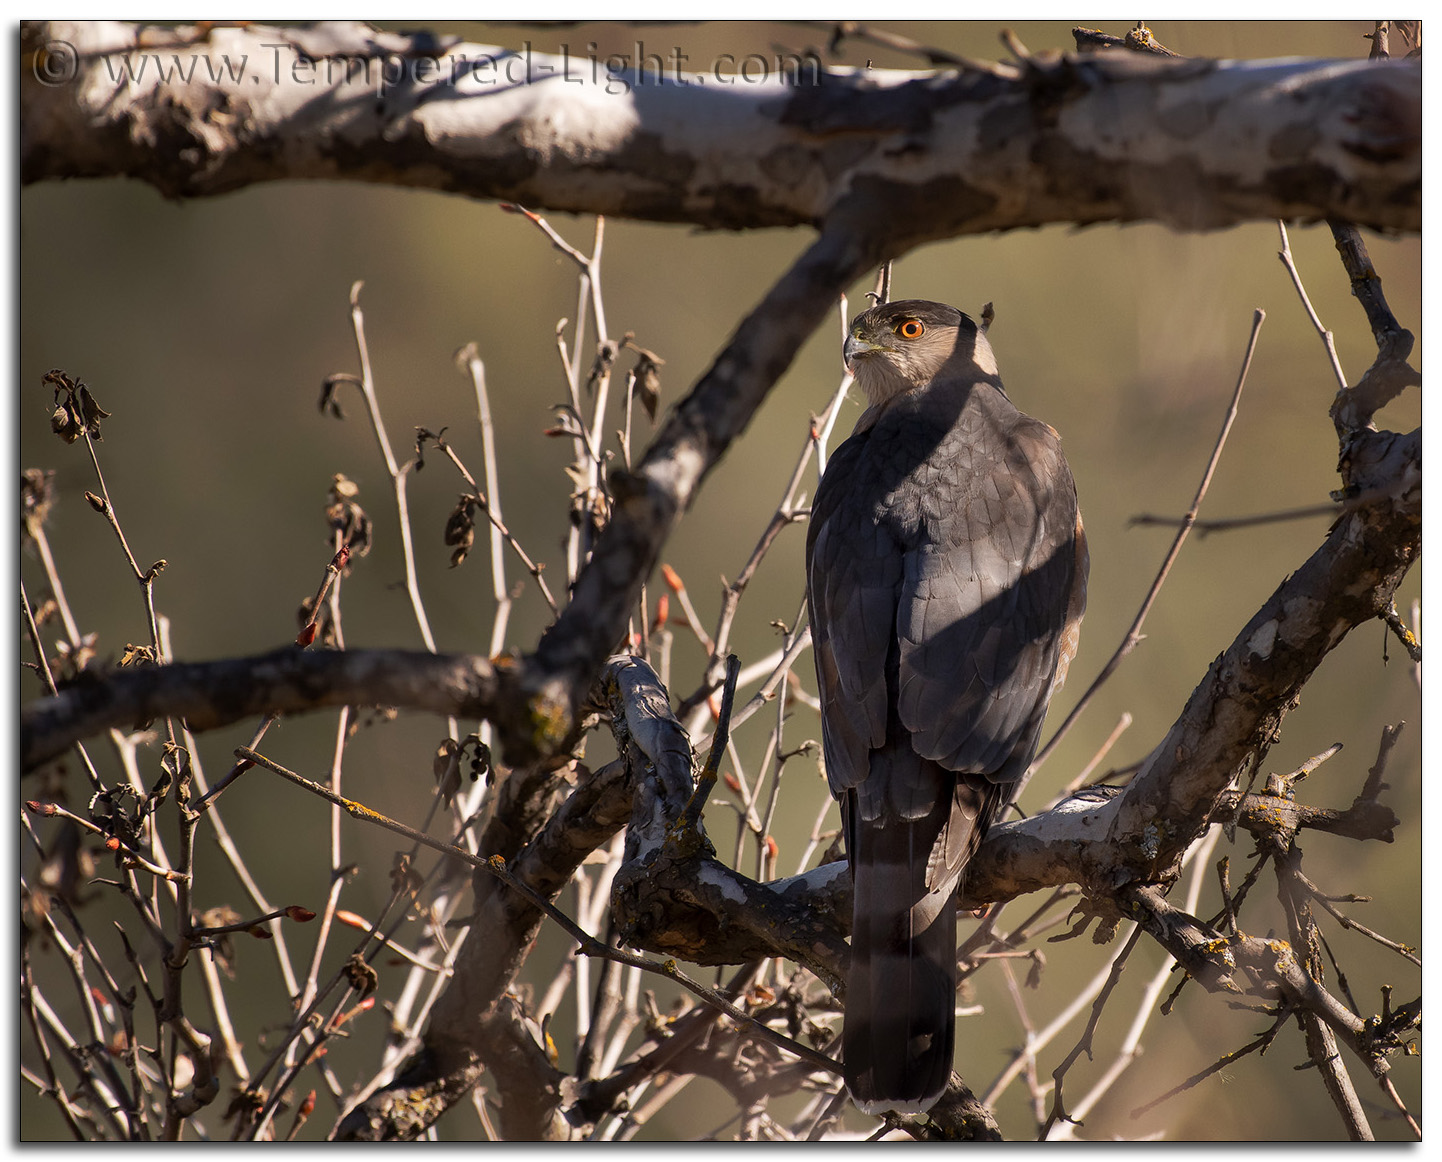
(1384, 464)
(1390, 1032)
(671, 895)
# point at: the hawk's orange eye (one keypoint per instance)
(909, 329)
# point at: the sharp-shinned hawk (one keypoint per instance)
(946, 578)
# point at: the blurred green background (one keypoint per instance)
(207, 328)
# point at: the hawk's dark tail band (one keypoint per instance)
(900, 1030)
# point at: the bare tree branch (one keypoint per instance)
(1109, 137)
(289, 680)
(1390, 374)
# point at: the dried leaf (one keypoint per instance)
(63, 425)
(648, 385)
(405, 879)
(481, 764)
(361, 976)
(461, 528)
(91, 413)
(329, 397)
(446, 767)
(134, 655)
(348, 518)
(76, 411)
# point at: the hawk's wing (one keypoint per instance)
(988, 595)
(854, 574)
(946, 562)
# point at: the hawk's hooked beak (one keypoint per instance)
(855, 347)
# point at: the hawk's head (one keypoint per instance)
(909, 343)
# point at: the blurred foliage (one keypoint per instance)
(207, 328)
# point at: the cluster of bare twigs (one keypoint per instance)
(134, 1082)
(432, 1000)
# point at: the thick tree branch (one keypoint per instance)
(289, 680)
(672, 895)
(1110, 137)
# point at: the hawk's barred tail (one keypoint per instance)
(900, 1030)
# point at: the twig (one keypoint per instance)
(1084, 1044)
(1130, 1048)
(589, 297)
(105, 1101)
(1391, 1091)
(1260, 1043)
(1079, 780)
(1320, 1038)
(395, 471)
(1285, 254)
(786, 513)
(706, 781)
(882, 293)
(1347, 922)
(469, 357)
(822, 437)
(795, 643)
(1084, 995)
(844, 30)
(499, 532)
(1404, 635)
(688, 611)
(1203, 527)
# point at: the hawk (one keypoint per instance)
(946, 579)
